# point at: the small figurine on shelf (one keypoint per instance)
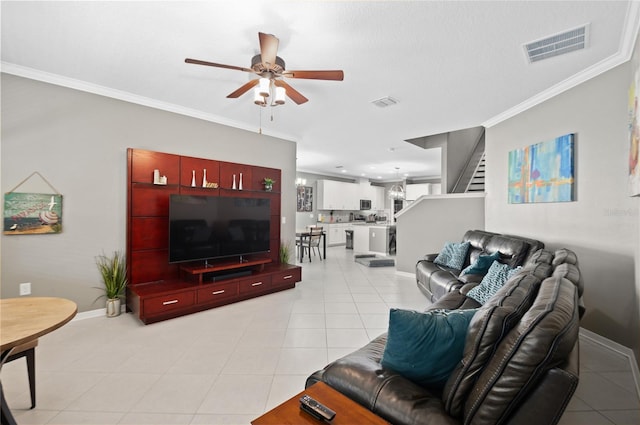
(204, 178)
(240, 184)
(268, 184)
(193, 178)
(234, 182)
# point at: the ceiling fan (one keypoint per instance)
(271, 69)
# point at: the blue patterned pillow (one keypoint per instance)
(453, 255)
(482, 264)
(495, 278)
(426, 347)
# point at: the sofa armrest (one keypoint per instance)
(430, 257)
(546, 403)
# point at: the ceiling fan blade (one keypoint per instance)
(245, 88)
(218, 65)
(336, 75)
(294, 94)
(268, 49)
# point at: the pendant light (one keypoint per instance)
(396, 192)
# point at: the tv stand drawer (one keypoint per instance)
(159, 305)
(258, 283)
(286, 277)
(215, 293)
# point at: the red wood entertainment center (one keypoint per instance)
(159, 290)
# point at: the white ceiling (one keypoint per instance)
(451, 65)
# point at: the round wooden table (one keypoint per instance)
(25, 319)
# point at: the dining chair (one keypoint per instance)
(27, 350)
(315, 234)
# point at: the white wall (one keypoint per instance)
(78, 141)
(424, 226)
(602, 224)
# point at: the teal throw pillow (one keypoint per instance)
(453, 255)
(482, 264)
(426, 347)
(495, 279)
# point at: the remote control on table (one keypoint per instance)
(316, 409)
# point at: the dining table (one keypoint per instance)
(305, 233)
(25, 319)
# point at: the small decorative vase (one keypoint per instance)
(268, 187)
(240, 184)
(113, 307)
(193, 178)
(204, 178)
(234, 182)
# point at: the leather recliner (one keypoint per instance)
(520, 361)
(435, 280)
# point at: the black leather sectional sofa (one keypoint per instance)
(520, 361)
(435, 280)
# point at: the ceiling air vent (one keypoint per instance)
(383, 102)
(558, 44)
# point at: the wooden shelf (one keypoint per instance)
(220, 266)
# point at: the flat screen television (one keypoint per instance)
(210, 227)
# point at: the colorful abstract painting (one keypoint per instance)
(634, 137)
(543, 172)
(32, 213)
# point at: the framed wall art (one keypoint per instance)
(304, 199)
(543, 172)
(32, 213)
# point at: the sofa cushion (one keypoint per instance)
(478, 240)
(495, 278)
(425, 347)
(564, 255)
(487, 328)
(513, 251)
(481, 264)
(541, 256)
(453, 255)
(542, 339)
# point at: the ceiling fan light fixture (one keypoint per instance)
(258, 98)
(280, 96)
(264, 87)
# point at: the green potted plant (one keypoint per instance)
(268, 184)
(285, 252)
(113, 271)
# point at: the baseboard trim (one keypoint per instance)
(618, 348)
(406, 274)
(100, 312)
(90, 314)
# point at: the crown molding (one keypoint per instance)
(58, 80)
(627, 43)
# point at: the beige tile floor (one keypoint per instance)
(231, 364)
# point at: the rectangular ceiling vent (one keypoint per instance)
(558, 44)
(383, 102)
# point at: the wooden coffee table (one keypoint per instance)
(347, 410)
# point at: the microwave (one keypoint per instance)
(365, 204)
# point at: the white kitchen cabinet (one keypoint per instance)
(336, 233)
(335, 195)
(378, 198)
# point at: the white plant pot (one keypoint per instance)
(113, 307)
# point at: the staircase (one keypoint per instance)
(476, 184)
(472, 177)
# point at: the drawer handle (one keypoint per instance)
(218, 292)
(256, 284)
(169, 302)
(289, 276)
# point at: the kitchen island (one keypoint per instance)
(374, 238)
